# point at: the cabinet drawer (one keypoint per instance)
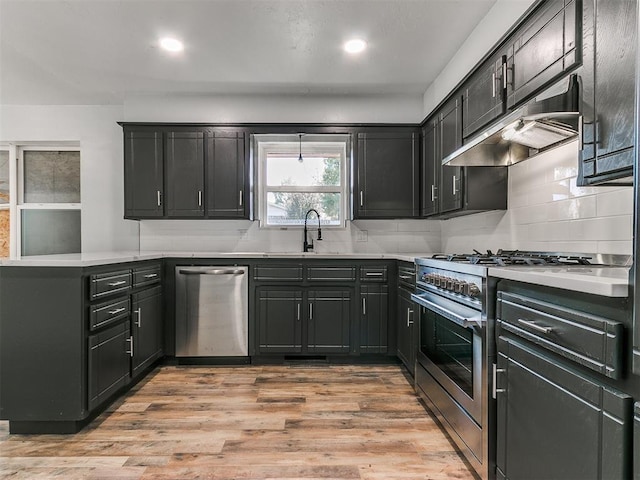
(108, 313)
(109, 283)
(147, 275)
(331, 273)
(588, 340)
(278, 272)
(407, 276)
(373, 274)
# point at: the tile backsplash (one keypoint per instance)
(547, 211)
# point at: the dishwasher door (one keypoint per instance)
(211, 311)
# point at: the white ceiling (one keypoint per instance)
(103, 51)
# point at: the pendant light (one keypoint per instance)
(300, 141)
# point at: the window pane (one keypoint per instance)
(51, 177)
(46, 232)
(287, 208)
(4, 177)
(312, 171)
(4, 233)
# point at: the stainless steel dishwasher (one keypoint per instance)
(211, 311)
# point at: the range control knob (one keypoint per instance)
(474, 290)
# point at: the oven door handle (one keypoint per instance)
(465, 322)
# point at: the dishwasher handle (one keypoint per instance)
(235, 271)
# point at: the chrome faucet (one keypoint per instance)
(306, 246)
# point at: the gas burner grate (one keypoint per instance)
(505, 258)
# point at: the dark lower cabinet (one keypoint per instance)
(108, 362)
(407, 312)
(279, 320)
(328, 315)
(374, 318)
(636, 442)
(556, 423)
(147, 328)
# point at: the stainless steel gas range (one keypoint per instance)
(455, 363)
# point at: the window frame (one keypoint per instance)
(16, 188)
(266, 143)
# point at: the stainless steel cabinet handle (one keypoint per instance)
(130, 351)
(504, 76)
(151, 275)
(364, 305)
(298, 317)
(374, 274)
(495, 380)
(536, 327)
(409, 319)
(199, 198)
(361, 199)
(138, 322)
(433, 193)
(454, 189)
(241, 198)
(117, 311)
(117, 284)
(311, 311)
(159, 198)
(406, 277)
(212, 272)
(493, 85)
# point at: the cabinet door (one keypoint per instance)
(185, 174)
(431, 166)
(279, 320)
(147, 328)
(108, 362)
(544, 49)
(227, 190)
(407, 311)
(328, 320)
(374, 318)
(555, 423)
(636, 442)
(449, 191)
(614, 87)
(387, 179)
(143, 174)
(484, 96)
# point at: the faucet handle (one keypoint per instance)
(319, 234)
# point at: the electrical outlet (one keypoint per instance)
(243, 234)
(361, 236)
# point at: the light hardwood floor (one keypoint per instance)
(255, 422)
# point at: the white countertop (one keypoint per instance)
(606, 281)
(106, 258)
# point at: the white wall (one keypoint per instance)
(274, 109)
(496, 22)
(548, 212)
(101, 183)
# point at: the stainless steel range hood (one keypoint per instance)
(529, 130)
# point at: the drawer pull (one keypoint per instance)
(538, 328)
(117, 311)
(373, 274)
(151, 275)
(406, 277)
(117, 284)
(130, 351)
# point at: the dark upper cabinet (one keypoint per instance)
(543, 49)
(484, 95)
(450, 197)
(609, 77)
(227, 179)
(184, 152)
(387, 175)
(143, 173)
(431, 167)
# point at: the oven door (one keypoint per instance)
(450, 349)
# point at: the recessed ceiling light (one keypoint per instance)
(171, 44)
(355, 45)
